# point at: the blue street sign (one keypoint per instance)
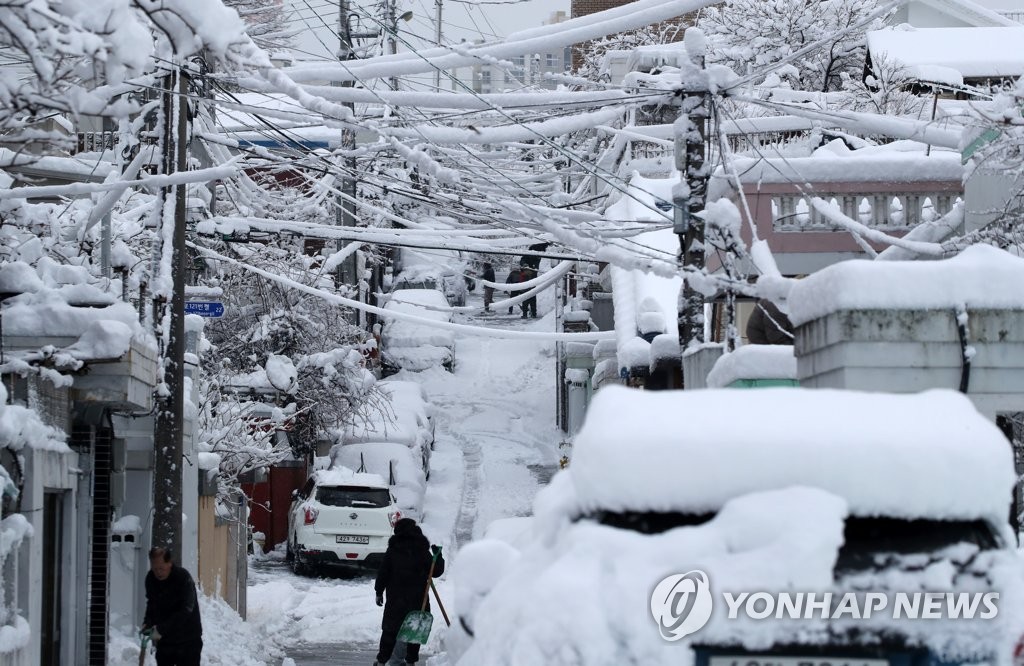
(204, 308)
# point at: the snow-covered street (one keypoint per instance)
(496, 444)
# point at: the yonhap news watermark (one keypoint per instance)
(681, 604)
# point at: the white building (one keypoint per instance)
(524, 71)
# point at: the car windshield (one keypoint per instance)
(876, 542)
(353, 496)
(867, 542)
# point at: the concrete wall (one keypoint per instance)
(50, 472)
(915, 350)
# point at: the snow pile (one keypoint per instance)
(979, 277)
(228, 640)
(753, 362)
(989, 52)
(896, 162)
(687, 451)
(579, 594)
(644, 302)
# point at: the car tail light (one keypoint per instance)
(394, 517)
(311, 515)
(1018, 653)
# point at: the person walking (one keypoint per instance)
(529, 305)
(515, 276)
(172, 611)
(402, 580)
(488, 276)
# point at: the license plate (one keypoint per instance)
(348, 538)
(769, 660)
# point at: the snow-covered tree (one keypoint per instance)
(266, 21)
(757, 33)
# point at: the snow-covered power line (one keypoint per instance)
(392, 314)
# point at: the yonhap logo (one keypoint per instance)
(681, 604)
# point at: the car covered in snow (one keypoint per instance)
(444, 270)
(414, 345)
(340, 518)
(395, 463)
(404, 416)
(773, 527)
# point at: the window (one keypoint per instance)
(354, 496)
(485, 77)
(550, 61)
(519, 61)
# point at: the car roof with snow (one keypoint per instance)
(928, 455)
(427, 303)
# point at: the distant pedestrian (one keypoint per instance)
(515, 276)
(529, 306)
(172, 611)
(402, 580)
(488, 276)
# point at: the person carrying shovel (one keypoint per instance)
(404, 579)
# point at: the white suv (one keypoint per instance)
(340, 518)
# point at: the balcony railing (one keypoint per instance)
(90, 142)
(891, 211)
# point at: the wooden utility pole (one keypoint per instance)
(169, 433)
(690, 194)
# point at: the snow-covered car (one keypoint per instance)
(416, 346)
(393, 462)
(406, 417)
(444, 270)
(758, 527)
(340, 518)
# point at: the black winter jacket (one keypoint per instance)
(173, 607)
(403, 576)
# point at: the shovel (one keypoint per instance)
(142, 650)
(416, 625)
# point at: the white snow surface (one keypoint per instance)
(753, 362)
(972, 52)
(635, 448)
(979, 277)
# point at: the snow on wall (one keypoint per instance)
(753, 362)
(979, 277)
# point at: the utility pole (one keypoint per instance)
(349, 269)
(169, 433)
(392, 22)
(437, 40)
(689, 195)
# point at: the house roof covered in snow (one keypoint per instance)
(931, 54)
(981, 13)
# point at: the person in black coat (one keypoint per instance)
(515, 276)
(488, 276)
(172, 611)
(402, 578)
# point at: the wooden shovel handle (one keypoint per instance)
(440, 605)
(430, 577)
